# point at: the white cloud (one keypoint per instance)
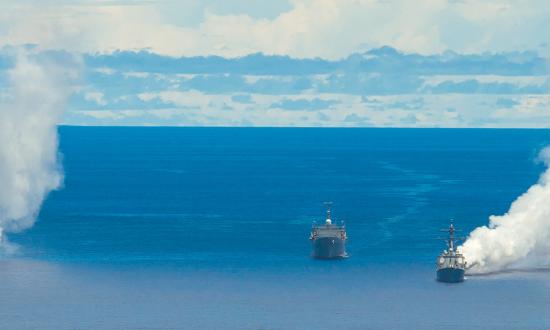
(325, 28)
(105, 70)
(518, 81)
(96, 97)
(110, 114)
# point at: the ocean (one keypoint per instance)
(207, 228)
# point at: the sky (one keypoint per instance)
(356, 63)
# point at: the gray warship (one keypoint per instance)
(328, 240)
(451, 264)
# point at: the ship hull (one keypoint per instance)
(329, 248)
(450, 275)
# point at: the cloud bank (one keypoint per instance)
(330, 29)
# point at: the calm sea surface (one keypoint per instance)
(184, 228)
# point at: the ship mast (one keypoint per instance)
(451, 238)
(329, 219)
(451, 241)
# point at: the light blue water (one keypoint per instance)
(208, 228)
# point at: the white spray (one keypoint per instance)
(518, 239)
(30, 168)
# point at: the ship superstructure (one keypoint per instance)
(328, 240)
(451, 264)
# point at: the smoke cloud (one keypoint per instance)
(30, 110)
(518, 239)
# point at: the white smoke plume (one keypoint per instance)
(30, 109)
(518, 239)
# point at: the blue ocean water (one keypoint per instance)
(161, 228)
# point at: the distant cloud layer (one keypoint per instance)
(431, 63)
(381, 87)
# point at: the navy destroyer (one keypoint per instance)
(328, 240)
(451, 264)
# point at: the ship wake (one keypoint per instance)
(519, 239)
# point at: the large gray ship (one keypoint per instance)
(328, 240)
(451, 264)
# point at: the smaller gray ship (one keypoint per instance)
(451, 264)
(328, 240)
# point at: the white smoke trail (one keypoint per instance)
(518, 239)
(29, 159)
